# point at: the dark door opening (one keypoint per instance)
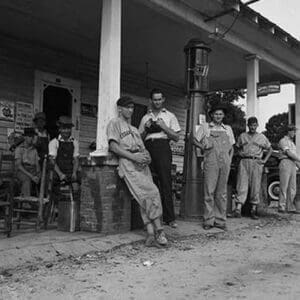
(57, 102)
(139, 111)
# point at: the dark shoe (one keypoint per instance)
(151, 241)
(221, 226)
(237, 214)
(281, 211)
(253, 214)
(294, 212)
(207, 226)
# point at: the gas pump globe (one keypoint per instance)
(197, 68)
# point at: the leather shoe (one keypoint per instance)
(221, 226)
(253, 214)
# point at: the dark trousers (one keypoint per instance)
(161, 156)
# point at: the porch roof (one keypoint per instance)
(154, 33)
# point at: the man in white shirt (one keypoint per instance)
(158, 127)
(289, 161)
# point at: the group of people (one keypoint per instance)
(146, 151)
(63, 152)
(216, 141)
(142, 151)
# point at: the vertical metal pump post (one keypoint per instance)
(197, 68)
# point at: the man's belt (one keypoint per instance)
(156, 140)
(250, 157)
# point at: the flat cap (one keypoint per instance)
(64, 121)
(124, 101)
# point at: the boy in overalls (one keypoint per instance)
(42, 138)
(27, 163)
(216, 140)
(64, 153)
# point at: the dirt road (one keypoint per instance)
(259, 262)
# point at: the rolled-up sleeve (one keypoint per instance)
(76, 148)
(53, 146)
(112, 131)
(174, 124)
(284, 145)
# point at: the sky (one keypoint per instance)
(284, 13)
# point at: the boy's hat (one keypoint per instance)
(39, 115)
(64, 121)
(29, 131)
(124, 101)
(218, 107)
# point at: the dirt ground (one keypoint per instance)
(259, 262)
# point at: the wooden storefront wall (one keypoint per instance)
(20, 59)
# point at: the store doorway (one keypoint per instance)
(57, 102)
(56, 96)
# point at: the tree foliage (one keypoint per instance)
(235, 117)
(276, 128)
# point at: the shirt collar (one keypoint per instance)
(70, 139)
(212, 124)
(150, 111)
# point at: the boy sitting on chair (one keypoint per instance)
(64, 153)
(27, 163)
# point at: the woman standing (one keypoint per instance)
(125, 141)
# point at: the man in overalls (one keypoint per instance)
(216, 140)
(289, 162)
(251, 145)
(64, 153)
(42, 138)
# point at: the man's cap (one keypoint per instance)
(29, 131)
(64, 121)
(218, 107)
(39, 115)
(124, 101)
(291, 127)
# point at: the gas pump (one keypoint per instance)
(197, 67)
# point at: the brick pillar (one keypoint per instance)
(105, 200)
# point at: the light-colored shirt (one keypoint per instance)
(286, 144)
(54, 144)
(252, 145)
(205, 129)
(27, 155)
(168, 117)
(43, 133)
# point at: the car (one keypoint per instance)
(273, 182)
(272, 171)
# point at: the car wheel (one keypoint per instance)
(274, 190)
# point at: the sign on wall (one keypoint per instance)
(264, 89)
(89, 110)
(7, 110)
(24, 116)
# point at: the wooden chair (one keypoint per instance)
(6, 192)
(36, 204)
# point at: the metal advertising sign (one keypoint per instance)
(264, 89)
(7, 110)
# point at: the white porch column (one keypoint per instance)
(109, 70)
(252, 80)
(297, 114)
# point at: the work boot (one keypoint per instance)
(253, 214)
(237, 213)
(221, 226)
(161, 238)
